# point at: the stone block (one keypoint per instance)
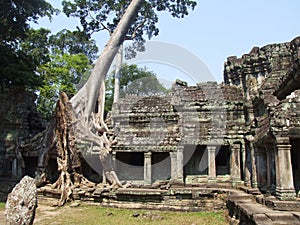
(22, 203)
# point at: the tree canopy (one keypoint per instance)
(18, 66)
(97, 15)
(63, 72)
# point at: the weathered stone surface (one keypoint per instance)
(19, 121)
(22, 203)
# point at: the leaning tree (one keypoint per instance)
(77, 128)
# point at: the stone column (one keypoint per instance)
(212, 164)
(253, 162)
(235, 171)
(147, 168)
(268, 168)
(284, 173)
(113, 158)
(173, 156)
(248, 166)
(114, 155)
(14, 170)
(179, 164)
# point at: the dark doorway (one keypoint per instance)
(262, 169)
(92, 168)
(295, 157)
(161, 166)
(52, 169)
(130, 165)
(222, 161)
(195, 160)
(30, 165)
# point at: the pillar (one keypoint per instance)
(173, 156)
(248, 166)
(147, 168)
(14, 170)
(211, 163)
(243, 163)
(284, 173)
(268, 168)
(114, 155)
(253, 162)
(235, 171)
(113, 164)
(179, 164)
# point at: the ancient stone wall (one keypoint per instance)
(19, 121)
(269, 78)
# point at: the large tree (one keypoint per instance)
(78, 129)
(17, 67)
(100, 15)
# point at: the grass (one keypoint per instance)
(90, 215)
(2, 205)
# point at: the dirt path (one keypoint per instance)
(43, 212)
(2, 216)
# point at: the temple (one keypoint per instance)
(245, 131)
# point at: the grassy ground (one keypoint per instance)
(2, 205)
(106, 216)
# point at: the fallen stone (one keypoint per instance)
(22, 203)
(152, 216)
(75, 204)
(136, 214)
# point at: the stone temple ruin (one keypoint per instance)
(243, 132)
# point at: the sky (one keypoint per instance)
(215, 30)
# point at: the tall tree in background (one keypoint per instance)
(74, 42)
(63, 72)
(17, 67)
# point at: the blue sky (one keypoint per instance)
(215, 30)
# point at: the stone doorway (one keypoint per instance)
(266, 168)
(223, 161)
(130, 166)
(161, 166)
(295, 157)
(195, 161)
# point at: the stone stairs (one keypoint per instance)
(243, 208)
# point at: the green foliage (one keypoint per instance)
(133, 80)
(15, 16)
(17, 63)
(74, 42)
(62, 73)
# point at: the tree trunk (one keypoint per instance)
(119, 59)
(77, 129)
